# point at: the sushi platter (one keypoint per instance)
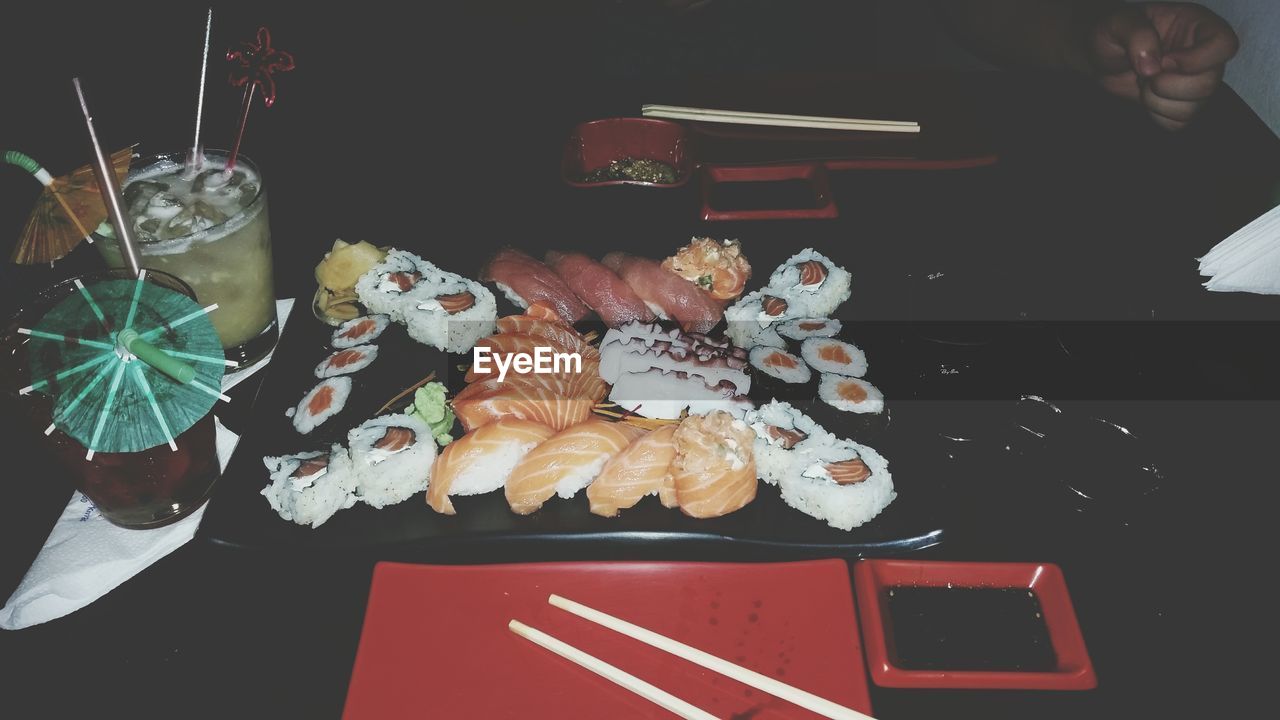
(748, 414)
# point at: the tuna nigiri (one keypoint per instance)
(641, 469)
(600, 289)
(566, 463)
(480, 461)
(667, 294)
(526, 281)
(525, 402)
(714, 471)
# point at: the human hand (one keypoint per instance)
(1168, 56)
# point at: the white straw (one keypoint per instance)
(197, 155)
(653, 694)
(777, 688)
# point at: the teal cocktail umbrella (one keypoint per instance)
(130, 364)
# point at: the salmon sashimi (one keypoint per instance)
(576, 385)
(670, 296)
(507, 345)
(525, 402)
(643, 468)
(552, 330)
(600, 289)
(566, 463)
(714, 470)
(717, 267)
(543, 311)
(526, 281)
(480, 461)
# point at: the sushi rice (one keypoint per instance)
(320, 403)
(828, 355)
(850, 394)
(805, 328)
(389, 476)
(780, 364)
(808, 486)
(358, 331)
(315, 497)
(814, 299)
(352, 359)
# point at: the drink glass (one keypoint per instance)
(142, 489)
(210, 230)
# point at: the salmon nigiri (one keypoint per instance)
(480, 461)
(641, 469)
(526, 402)
(558, 332)
(714, 471)
(575, 385)
(566, 463)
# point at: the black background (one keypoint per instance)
(437, 125)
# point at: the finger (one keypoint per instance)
(1131, 30)
(1167, 123)
(1124, 84)
(1176, 86)
(1215, 44)
(1180, 110)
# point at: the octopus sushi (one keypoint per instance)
(320, 403)
(392, 456)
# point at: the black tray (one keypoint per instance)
(238, 515)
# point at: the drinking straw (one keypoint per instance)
(195, 159)
(110, 189)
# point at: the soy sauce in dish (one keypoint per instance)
(955, 628)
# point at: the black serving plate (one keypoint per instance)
(920, 458)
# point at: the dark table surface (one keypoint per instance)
(1092, 217)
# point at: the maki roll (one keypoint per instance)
(754, 318)
(805, 328)
(347, 361)
(358, 331)
(827, 355)
(839, 481)
(812, 284)
(392, 456)
(383, 288)
(309, 487)
(779, 429)
(850, 394)
(450, 312)
(320, 403)
(780, 364)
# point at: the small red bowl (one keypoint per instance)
(872, 578)
(595, 144)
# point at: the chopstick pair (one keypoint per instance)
(764, 683)
(679, 112)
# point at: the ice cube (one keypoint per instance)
(200, 216)
(146, 229)
(163, 205)
(248, 193)
(138, 194)
(212, 181)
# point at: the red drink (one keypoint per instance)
(141, 489)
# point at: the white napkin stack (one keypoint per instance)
(86, 557)
(1248, 260)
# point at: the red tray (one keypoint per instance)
(873, 577)
(435, 640)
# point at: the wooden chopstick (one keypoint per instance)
(611, 673)
(777, 688)
(675, 112)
